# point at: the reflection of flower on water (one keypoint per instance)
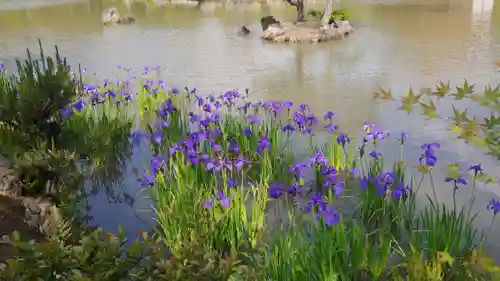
(129, 200)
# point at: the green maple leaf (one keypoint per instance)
(453, 167)
(453, 171)
(491, 122)
(459, 116)
(441, 90)
(471, 132)
(464, 91)
(409, 101)
(383, 94)
(486, 178)
(492, 94)
(429, 110)
(481, 99)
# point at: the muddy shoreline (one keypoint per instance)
(31, 217)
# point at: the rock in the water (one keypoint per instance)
(126, 20)
(111, 16)
(345, 28)
(243, 31)
(306, 33)
(267, 21)
(273, 32)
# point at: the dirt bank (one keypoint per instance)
(29, 216)
(18, 214)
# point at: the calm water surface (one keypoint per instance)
(397, 44)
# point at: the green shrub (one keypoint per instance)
(100, 256)
(340, 15)
(30, 120)
(337, 14)
(48, 134)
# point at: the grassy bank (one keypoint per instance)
(223, 164)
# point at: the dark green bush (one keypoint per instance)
(30, 120)
(47, 146)
(337, 14)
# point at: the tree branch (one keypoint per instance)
(292, 2)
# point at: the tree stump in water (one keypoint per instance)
(303, 33)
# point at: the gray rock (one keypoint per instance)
(243, 31)
(345, 28)
(112, 16)
(273, 31)
(9, 179)
(267, 21)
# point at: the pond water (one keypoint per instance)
(397, 44)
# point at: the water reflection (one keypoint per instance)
(405, 43)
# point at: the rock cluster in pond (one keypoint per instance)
(305, 33)
(111, 16)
